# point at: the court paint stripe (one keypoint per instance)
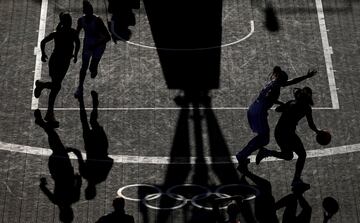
(37, 52)
(167, 108)
(181, 160)
(327, 54)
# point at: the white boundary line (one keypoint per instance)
(38, 62)
(325, 42)
(189, 160)
(327, 54)
(167, 108)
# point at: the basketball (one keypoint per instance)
(323, 137)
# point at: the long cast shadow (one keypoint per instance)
(181, 165)
(98, 164)
(67, 184)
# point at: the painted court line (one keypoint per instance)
(38, 62)
(327, 54)
(189, 160)
(166, 108)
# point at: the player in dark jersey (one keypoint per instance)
(95, 39)
(65, 38)
(258, 110)
(118, 215)
(285, 131)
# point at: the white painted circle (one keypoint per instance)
(148, 198)
(154, 195)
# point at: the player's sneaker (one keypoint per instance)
(243, 165)
(93, 73)
(38, 119)
(262, 154)
(38, 89)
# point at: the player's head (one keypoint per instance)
(304, 95)
(87, 8)
(65, 19)
(279, 75)
(119, 204)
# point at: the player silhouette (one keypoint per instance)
(95, 39)
(291, 213)
(64, 37)
(258, 110)
(285, 132)
(118, 215)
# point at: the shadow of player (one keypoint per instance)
(291, 202)
(118, 215)
(98, 164)
(67, 184)
(265, 210)
(122, 17)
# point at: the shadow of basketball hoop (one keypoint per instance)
(180, 25)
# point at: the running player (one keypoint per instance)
(285, 132)
(95, 39)
(64, 37)
(258, 110)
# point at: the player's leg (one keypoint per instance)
(259, 124)
(284, 139)
(299, 149)
(59, 67)
(95, 60)
(86, 55)
(94, 113)
(40, 85)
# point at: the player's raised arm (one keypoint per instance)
(296, 80)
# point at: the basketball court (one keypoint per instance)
(167, 150)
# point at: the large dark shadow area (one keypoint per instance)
(187, 35)
(189, 171)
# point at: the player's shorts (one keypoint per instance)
(257, 117)
(95, 53)
(58, 66)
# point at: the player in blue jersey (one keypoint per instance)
(95, 39)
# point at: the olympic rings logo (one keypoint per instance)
(180, 195)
